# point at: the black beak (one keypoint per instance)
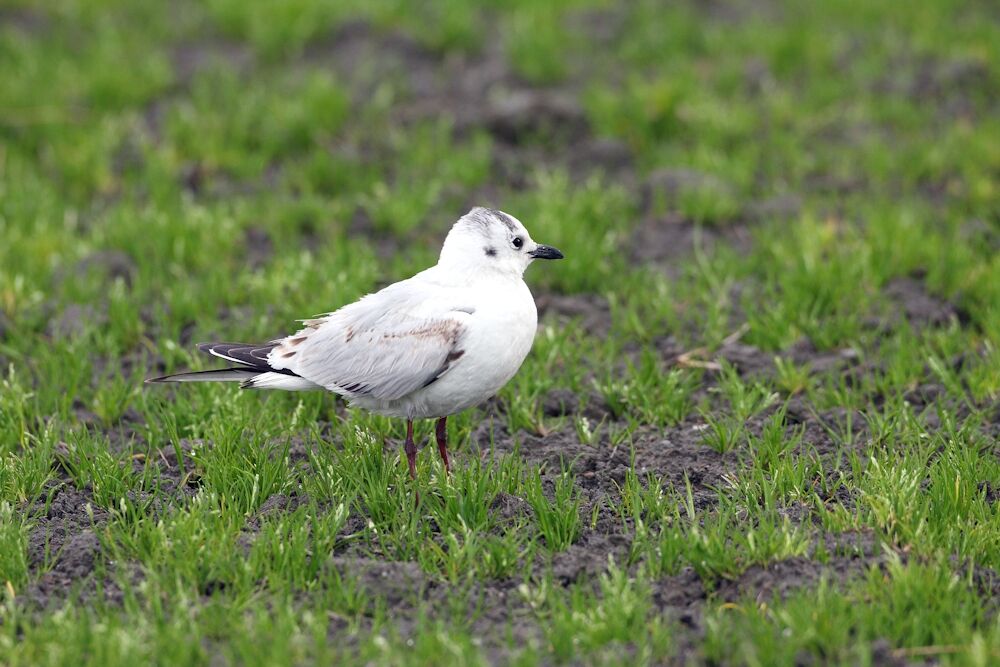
(546, 252)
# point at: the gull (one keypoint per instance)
(426, 347)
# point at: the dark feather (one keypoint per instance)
(253, 356)
(218, 375)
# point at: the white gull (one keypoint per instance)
(426, 347)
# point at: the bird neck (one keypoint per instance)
(463, 271)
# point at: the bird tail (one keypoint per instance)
(220, 375)
(255, 373)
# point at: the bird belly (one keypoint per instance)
(482, 376)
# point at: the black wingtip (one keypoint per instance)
(254, 357)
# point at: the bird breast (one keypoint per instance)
(499, 337)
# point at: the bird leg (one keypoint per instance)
(411, 449)
(442, 439)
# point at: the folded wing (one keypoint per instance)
(384, 346)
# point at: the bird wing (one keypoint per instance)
(385, 346)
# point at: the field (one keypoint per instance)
(760, 423)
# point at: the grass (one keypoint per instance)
(798, 387)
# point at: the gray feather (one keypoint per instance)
(220, 375)
(384, 346)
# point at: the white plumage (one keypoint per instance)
(429, 346)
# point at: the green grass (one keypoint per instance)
(812, 163)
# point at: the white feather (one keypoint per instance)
(279, 381)
(385, 346)
(429, 346)
(434, 344)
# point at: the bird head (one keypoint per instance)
(485, 239)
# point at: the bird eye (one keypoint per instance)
(518, 242)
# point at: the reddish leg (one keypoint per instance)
(442, 438)
(411, 449)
